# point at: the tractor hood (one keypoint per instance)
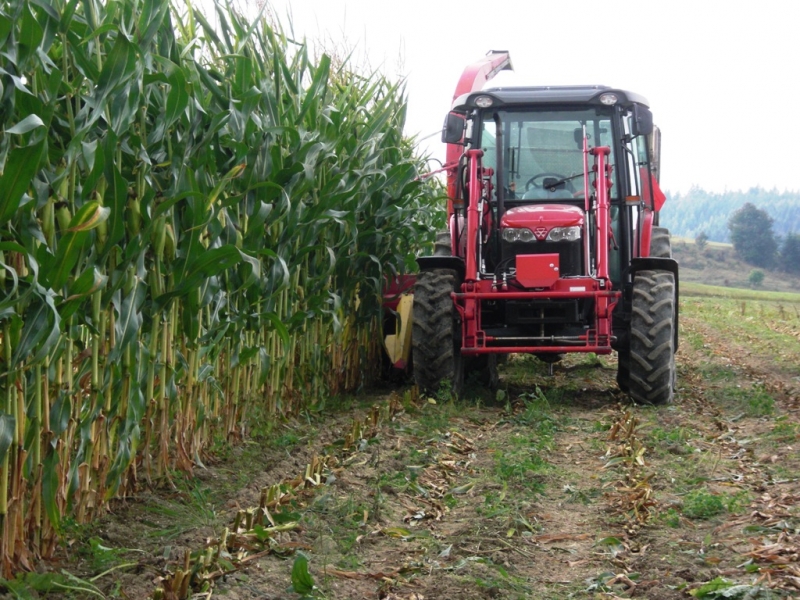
(541, 218)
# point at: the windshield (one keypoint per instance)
(543, 149)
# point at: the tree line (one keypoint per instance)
(755, 242)
(699, 211)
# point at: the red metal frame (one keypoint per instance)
(474, 290)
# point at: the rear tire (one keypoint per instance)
(442, 244)
(660, 245)
(651, 364)
(436, 334)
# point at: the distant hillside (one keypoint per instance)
(717, 264)
(697, 210)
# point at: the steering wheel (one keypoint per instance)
(532, 182)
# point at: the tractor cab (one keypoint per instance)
(553, 243)
(535, 142)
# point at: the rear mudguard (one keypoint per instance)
(456, 263)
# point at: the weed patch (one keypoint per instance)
(753, 401)
(784, 430)
(701, 504)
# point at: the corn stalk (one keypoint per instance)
(196, 223)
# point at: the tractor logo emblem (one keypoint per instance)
(540, 233)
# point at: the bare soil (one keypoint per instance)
(556, 487)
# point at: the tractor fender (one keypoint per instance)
(455, 263)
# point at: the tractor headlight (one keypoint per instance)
(564, 234)
(609, 99)
(518, 234)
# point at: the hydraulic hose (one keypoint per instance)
(501, 192)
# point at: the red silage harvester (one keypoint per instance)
(553, 243)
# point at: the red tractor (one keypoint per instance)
(553, 243)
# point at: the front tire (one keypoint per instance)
(651, 359)
(485, 369)
(624, 370)
(660, 247)
(436, 334)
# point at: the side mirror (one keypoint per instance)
(654, 143)
(577, 135)
(642, 123)
(453, 129)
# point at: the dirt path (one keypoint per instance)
(555, 489)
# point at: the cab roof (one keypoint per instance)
(568, 94)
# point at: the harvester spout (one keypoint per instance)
(478, 73)
(473, 79)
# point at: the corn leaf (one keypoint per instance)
(16, 177)
(302, 582)
(27, 124)
(40, 332)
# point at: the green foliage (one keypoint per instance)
(102, 557)
(701, 240)
(752, 236)
(193, 509)
(690, 288)
(754, 401)
(701, 504)
(789, 257)
(723, 588)
(521, 466)
(7, 427)
(675, 435)
(671, 518)
(196, 220)
(759, 402)
(521, 461)
(784, 430)
(756, 277)
(302, 581)
(30, 585)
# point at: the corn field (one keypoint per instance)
(196, 219)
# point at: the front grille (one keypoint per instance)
(570, 254)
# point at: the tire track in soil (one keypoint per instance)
(513, 533)
(457, 501)
(726, 453)
(726, 350)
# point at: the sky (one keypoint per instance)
(722, 78)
